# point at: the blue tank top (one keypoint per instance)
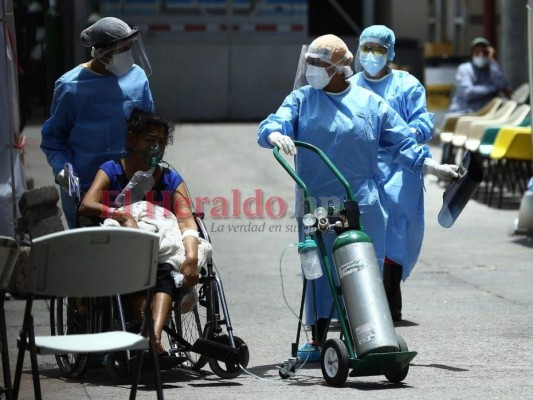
(161, 193)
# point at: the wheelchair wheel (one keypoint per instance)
(229, 370)
(117, 366)
(69, 316)
(189, 326)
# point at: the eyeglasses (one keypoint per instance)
(374, 49)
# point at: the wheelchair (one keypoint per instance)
(196, 336)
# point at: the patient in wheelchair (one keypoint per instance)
(165, 209)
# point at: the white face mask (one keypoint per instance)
(373, 63)
(120, 63)
(480, 61)
(317, 77)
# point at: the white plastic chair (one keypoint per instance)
(90, 262)
(9, 251)
(465, 124)
(478, 128)
(450, 125)
(521, 93)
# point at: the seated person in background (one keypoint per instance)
(478, 80)
(148, 134)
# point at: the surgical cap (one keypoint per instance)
(379, 34)
(331, 49)
(105, 32)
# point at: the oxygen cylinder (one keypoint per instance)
(364, 295)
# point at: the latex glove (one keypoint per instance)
(413, 131)
(62, 180)
(445, 172)
(282, 142)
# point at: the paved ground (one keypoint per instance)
(468, 303)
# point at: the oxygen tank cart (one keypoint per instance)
(368, 344)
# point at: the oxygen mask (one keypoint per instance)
(152, 155)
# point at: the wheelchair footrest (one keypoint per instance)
(219, 351)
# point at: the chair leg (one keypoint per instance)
(149, 331)
(496, 171)
(8, 389)
(34, 365)
(137, 370)
(489, 179)
(504, 178)
(22, 346)
(154, 354)
(445, 153)
(20, 361)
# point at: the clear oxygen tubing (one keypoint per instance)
(269, 380)
(280, 380)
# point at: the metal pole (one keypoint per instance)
(512, 45)
(10, 124)
(489, 20)
(530, 49)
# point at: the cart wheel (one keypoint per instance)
(284, 374)
(396, 376)
(335, 362)
(229, 370)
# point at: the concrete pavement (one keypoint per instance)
(468, 303)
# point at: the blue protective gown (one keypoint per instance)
(349, 127)
(88, 122)
(404, 189)
(475, 87)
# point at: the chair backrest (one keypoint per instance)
(506, 137)
(498, 108)
(521, 93)
(519, 114)
(489, 108)
(451, 120)
(520, 148)
(526, 121)
(93, 262)
(505, 110)
(9, 251)
(477, 129)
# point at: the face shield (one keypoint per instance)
(312, 61)
(117, 45)
(120, 55)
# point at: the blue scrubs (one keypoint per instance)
(404, 189)
(88, 122)
(349, 127)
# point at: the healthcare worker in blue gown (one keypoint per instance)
(403, 188)
(349, 124)
(91, 104)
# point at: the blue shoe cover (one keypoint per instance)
(309, 353)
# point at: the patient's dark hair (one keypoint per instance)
(140, 120)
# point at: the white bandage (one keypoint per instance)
(190, 232)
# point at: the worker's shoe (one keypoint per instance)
(309, 352)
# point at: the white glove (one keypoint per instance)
(445, 172)
(62, 179)
(282, 142)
